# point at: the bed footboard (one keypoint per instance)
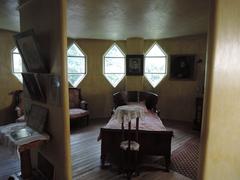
(157, 143)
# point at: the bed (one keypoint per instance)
(153, 137)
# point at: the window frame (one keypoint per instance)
(124, 61)
(85, 67)
(166, 63)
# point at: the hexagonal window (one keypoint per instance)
(114, 65)
(76, 65)
(17, 64)
(155, 68)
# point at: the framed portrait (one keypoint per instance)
(134, 65)
(182, 67)
(33, 87)
(29, 51)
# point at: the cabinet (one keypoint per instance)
(198, 113)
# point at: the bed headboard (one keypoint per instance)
(124, 97)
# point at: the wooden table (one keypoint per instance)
(25, 158)
(22, 144)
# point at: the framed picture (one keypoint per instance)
(134, 65)
(29, 51)
(37, 118)
(34, 89)
(182, 67)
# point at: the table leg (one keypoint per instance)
(26, 165)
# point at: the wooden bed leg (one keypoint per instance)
(167, 162)
(102, 161)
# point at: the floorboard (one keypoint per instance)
(85, 152)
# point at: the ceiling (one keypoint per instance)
(121, 19)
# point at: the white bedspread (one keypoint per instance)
(149, 122)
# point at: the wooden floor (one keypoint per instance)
(86, 154)
(87, 165)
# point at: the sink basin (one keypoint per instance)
(21, 133)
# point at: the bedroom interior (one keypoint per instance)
(74, 153)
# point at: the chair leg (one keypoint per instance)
(121, 162)
(129, 175)
(87, 119)
(129, 163)
(136, 162)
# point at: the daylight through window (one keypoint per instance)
(155, 65)
(114, 65)
(76, 65)
(17, 64)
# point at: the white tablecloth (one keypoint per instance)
(129, 112)
(7, 140)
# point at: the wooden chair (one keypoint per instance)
(78, 108)
(129, 150)
(18, 105)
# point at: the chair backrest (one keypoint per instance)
(18, 103)
(126, 133)
(74, 97)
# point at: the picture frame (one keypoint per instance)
(33, 87)
(37, 118)
(29, 50)
(134, 65)
(182, 67)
